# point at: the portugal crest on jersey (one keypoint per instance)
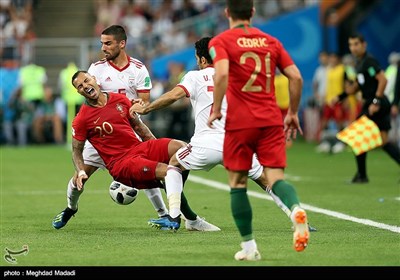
(120, 109)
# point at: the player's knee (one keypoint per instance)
(161, 171)
(174, 162)
(174, 146)
(179, 144)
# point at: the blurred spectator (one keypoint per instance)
(32, 81)
(8, 85)
(333, 113)
(71, 100)
(179, 112)
(320, 78)
(5, 13)
(313, 111)
(282, 92)
(146, 7)
(203, 5)
(391, 74)
(353, 102)
(18, 25)
(268, 9)
(108, 12)
(188, 10)
(67, 91)
(287, 6)
(23, 5)
(65, 87)
(281, 83)
(396, 102)
(134, 22)
(47, 124)
(173, 40)
(341, 15)
(30, 94)
(162, 22)
(22, 118)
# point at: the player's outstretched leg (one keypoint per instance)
(249, 252)
(166, 223)
(283, 207)
(73, 194)
(62, 218)
(200, 224)
(301, 232)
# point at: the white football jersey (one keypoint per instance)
(129, 80)
(199, 87)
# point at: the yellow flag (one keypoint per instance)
(362, 135)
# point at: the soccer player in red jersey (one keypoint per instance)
(245, 59)
(116, 72)
(120, 73)
(104, 121)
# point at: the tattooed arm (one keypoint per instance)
(77, 159)
(141, 129)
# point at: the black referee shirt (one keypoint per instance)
(367, 68)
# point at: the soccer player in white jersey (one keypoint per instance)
(118, 72)
(206, 145)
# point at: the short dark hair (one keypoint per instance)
(201, 47)
(76, 75)
(358, 36)
(117, 31)
(240, 9)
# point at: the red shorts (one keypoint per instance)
(138, 168)
(267, 142)
(337, 112)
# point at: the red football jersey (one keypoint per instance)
(253, 56)
(107, 128)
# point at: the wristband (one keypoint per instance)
(376, 101)
(81, 173)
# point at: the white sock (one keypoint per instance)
(279, 202)
(192, 222)
(174, 187)
(73, 195)
(293, 212)
(249, 245)
(155, 197)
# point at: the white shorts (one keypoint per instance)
(200, 158)
(256, 169)
(91, 156)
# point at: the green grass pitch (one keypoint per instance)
(358, 225)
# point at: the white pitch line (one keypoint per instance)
(225, 187)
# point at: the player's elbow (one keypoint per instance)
(293, 74)
(176, 93)
(296, 79)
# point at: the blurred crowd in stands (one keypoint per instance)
(17, 26)
(157, 27)
(33, 112)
